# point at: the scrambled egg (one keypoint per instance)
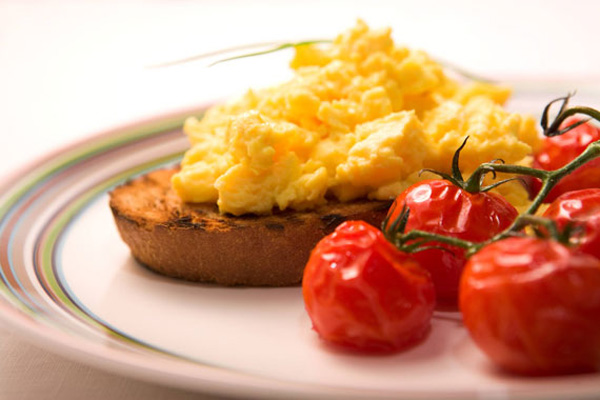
(360, 118)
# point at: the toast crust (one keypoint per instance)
(197, 243)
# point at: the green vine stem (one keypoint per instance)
(414, 240)
(549, 178)
(553, 129)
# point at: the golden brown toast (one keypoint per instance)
(195, 242)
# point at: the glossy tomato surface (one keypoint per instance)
(533, 306)
(582, 209)
(362, 293)
(438, 206)
(557, 151)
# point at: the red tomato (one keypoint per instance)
(558, 151)
(533, 306)
(363, 293)
(580, 207)
(438, 206)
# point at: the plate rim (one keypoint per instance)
(15, 321)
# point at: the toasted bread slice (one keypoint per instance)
(197, 243)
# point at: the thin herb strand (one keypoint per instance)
(268, 51)
(278, 46)
(274, 47)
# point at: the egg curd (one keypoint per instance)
(359, 119)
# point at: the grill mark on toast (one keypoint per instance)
(193, 241)
(331, 221)
(274, 226)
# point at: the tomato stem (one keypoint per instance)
(395, 230)
(553, 129)
(413, 241)
(456, 177)
(475, 182)
(549, 180)
(402, 241)
(552, 177)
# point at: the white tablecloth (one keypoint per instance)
(69, 69)
(30, 373)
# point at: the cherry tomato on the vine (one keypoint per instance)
(582, 209)
(533, 306)
(362, 293)
(557, 151)
(439, 206)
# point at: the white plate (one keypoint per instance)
(68, 282)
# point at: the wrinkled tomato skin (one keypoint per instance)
(362, 293)
(533, 306)
(438, 206)
(581, 208)
(558, 151)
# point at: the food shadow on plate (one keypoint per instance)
(134, 274)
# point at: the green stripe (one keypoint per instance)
(86, 151)
(61, 222)
(43, 172)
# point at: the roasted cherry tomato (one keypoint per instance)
(438, 206)
(582, 209)
(363, 293)
(558, 151)
(533, 306)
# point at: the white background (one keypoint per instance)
(69, 69)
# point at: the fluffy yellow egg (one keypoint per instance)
(359, 119)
